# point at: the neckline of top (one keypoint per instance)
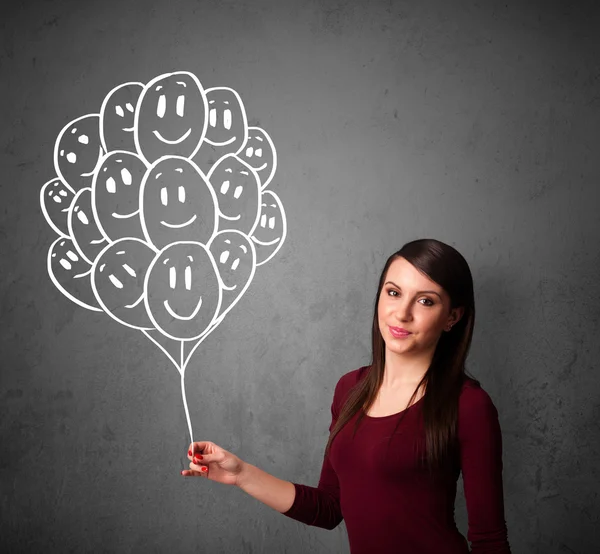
(397, 413)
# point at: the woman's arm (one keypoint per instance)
(480, 440)
(263, 486)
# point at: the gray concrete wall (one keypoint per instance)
(474, 123)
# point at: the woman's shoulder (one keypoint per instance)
(474, 399)
(348, 380)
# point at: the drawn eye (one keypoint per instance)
(223, 257)
(172, 277)
(212, 117)
(163, 196)
(161, 108)
(188, 278)
(111, 186)
(224, 187)
(181, 191)
(235, 264)
(180, 107)
(238, 191)
(115, 281)
(119, 111)
(227, 119)
(126, 176)
(129, 270)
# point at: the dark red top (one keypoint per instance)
(388, 502)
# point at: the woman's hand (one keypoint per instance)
(209, 460)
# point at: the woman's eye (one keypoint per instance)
(392, 292)
(430, 302)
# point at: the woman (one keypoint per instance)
(403, 428)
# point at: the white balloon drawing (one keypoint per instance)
(161, 211)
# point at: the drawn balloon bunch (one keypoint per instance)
(163, 210)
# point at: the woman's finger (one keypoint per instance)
(198, 468)
(190, 473)
(197, 447)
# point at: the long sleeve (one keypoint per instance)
(480, 440)
(320, 506)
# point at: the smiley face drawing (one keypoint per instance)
(270, 233)
(55, 200)
(83, 228)
(227, 129)
(118, 276)
(237, 187)
(116, 195)
(182, 290)
(235, 256)
(70, 273)
(78, 150)
(117, 116)
(177, 203)
(260, 154)
(170, 117)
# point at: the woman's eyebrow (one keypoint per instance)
(420, 292)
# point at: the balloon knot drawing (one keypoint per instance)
(163, 209)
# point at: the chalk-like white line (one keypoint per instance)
(98, 161)
(176, 141)
(226, 143)
(125, 216)
(59, 286)
(45, 210)
(284, 224)
(70, 224)
(260, 243)
(165, 351)
(244, 115)
(106, 309)
(265, 182)
(179, 225)
(143, 188)
(103, 110)
(147, 278)
(134, 304)
(147, 87)
(221, 214)
(181, 317)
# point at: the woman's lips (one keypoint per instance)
(398, 332)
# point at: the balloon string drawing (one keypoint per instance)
(163, 209)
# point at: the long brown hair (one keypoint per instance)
(446, 374)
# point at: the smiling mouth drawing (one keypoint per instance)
(121, 216)
(254, 239)
(128, 129)
(136, 302)
(261, 167)
(183, 318)
(219, 143)
(180, 225)
(225, 287)
(181, 139)
(231, 218)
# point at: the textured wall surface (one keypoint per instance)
(476, 123)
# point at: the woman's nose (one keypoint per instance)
(403, 311)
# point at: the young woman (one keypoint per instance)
(403, 428)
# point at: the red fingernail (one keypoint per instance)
(200, 457)
(204, 469)
(189, 452)
(182, 473)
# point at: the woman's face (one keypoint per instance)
(411, 301)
